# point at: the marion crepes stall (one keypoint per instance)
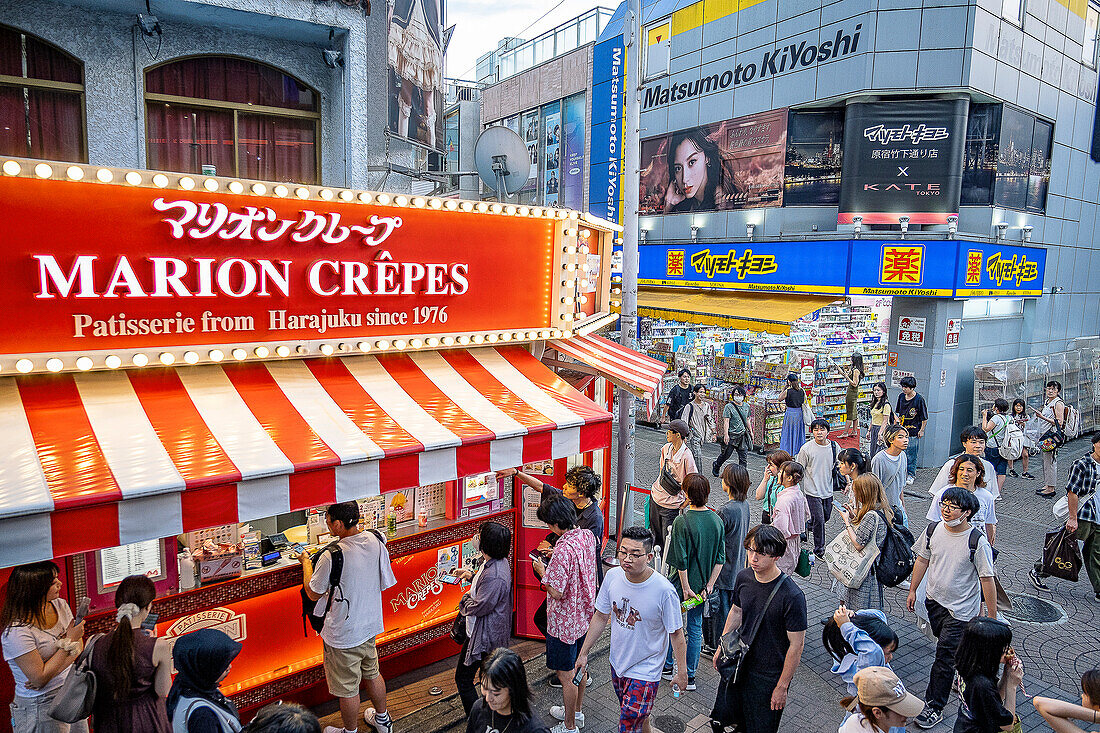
(192, 367)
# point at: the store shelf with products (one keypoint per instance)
(722, 358)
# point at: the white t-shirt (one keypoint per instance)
(987, 512)
(18, 640)
(891, 471)
(642, 617)
(356, 612)
(943, 478)
(952, 580)
(818, 462)
(856, 723)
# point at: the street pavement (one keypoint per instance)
(1054, 654)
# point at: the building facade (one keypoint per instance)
(286, 91)
(948, 128)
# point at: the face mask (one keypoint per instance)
(738, 399)
(953, 522)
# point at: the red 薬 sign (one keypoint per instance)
(93, 267)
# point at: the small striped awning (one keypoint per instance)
(108, 458)
(622, 366)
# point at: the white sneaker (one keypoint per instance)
(370, 717)
(333, 729)
(557, 712)
(909, 481)
(904, 585)
(560, 728)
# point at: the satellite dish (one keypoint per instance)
(502, 160)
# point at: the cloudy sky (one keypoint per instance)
(480, 24)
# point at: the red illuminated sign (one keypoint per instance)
(102, 266)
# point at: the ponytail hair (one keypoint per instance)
(134, 593)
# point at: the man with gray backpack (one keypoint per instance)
(352, 609)
(1006, 440)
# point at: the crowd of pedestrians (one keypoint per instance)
(695, 584)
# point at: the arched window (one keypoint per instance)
(231, 117)
(41, 100)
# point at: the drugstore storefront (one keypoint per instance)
(193, 367)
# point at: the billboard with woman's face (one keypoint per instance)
(416, 71)
(735, 164)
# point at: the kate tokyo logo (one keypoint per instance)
(915, 135)
(774, 62)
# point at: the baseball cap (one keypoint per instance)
(680, 427)
(880, 687)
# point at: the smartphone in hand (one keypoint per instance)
(82, 610)
(448, 579)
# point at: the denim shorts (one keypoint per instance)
(562, 657)
(1000, 465)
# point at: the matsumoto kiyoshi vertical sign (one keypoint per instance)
(903, 159)
(608, 71)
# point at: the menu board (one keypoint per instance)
(480, 488)
(141, 558)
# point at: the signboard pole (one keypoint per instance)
(629, 315)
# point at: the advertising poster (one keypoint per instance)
(1000, 270)
(903, 158)
(529, 124)
(551, 116)
(572, 170)
(416, 71)
(1023, 161)
(812, 174)
(735, 164)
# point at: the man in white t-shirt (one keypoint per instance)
(354, 616)
(968, 472)
(646, 613)
(973, 441)
(818, 458)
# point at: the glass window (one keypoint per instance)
(588, 30)
(814, 141)
(657, 49)
(41, 100)
(1013, 159)
(976, 308)
(983, 127)
(1088, 47)
(1039, 176)
(566, 39)
(450, 140)
(238, 117)
(1013, 10)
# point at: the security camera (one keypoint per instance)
(332, 57)
(149, 24)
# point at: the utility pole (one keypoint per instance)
(632, 34)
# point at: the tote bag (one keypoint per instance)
(847, 564)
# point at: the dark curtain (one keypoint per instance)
(277, 148)
(39, 123)
(230, 80)
(184, 139)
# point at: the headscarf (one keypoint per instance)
(201, 657)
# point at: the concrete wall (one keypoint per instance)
(286, 34)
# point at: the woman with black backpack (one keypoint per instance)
(867, 521)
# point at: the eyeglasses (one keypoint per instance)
(950, 506)
(632, 555)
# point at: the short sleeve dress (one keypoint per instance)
(142, 711)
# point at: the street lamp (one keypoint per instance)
(857, 226)
(750, 228)
(1002, 230)
(1027, 232)
(952, 226)
(904, 221)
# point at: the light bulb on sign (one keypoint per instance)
(236, 187)
(113, 362)
(160, 180)
(216, 355)
(11, 168)
(83, 363)
(584, 283)
(261, 351)
(24, 365)
(191, 357)
(210, 184)
(140, 360)
(382, 345)
(44, 171)
(283, 350)
(239, 354)
(325, 194)
(55, 365)
(104, 175)
(363, 346)
(448, 341)
(167, 358)
(399, 344)
(74, 172)
(327, 349)
(346, 195)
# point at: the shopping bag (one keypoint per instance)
(1061, 555)
(805, 566)
(847, 564)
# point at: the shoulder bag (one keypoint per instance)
(807, 411)
(735, 648)
(745, 441)
(667, 480)
(847, 564)
(840, 481)
(76, 697)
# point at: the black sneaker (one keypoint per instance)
(1027, 475)
(553, 681)
(691, 683)
(930, 718)
(668, 672)
(1012, 473)
(1037, 580)
(1098, 597)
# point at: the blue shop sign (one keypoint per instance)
(786, 267)
(999, 270)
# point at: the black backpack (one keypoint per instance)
(896, 559)
(337, 568)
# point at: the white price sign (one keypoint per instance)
(896, 376)
(911, 331)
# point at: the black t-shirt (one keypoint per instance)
(911, 413)
(678, 397)
(483, 720)
(590, 518)
(795, 397)
(787, 612)
(982, 710)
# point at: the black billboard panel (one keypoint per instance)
(903, 158)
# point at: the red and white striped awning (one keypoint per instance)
(624, 367)
(107, 458)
